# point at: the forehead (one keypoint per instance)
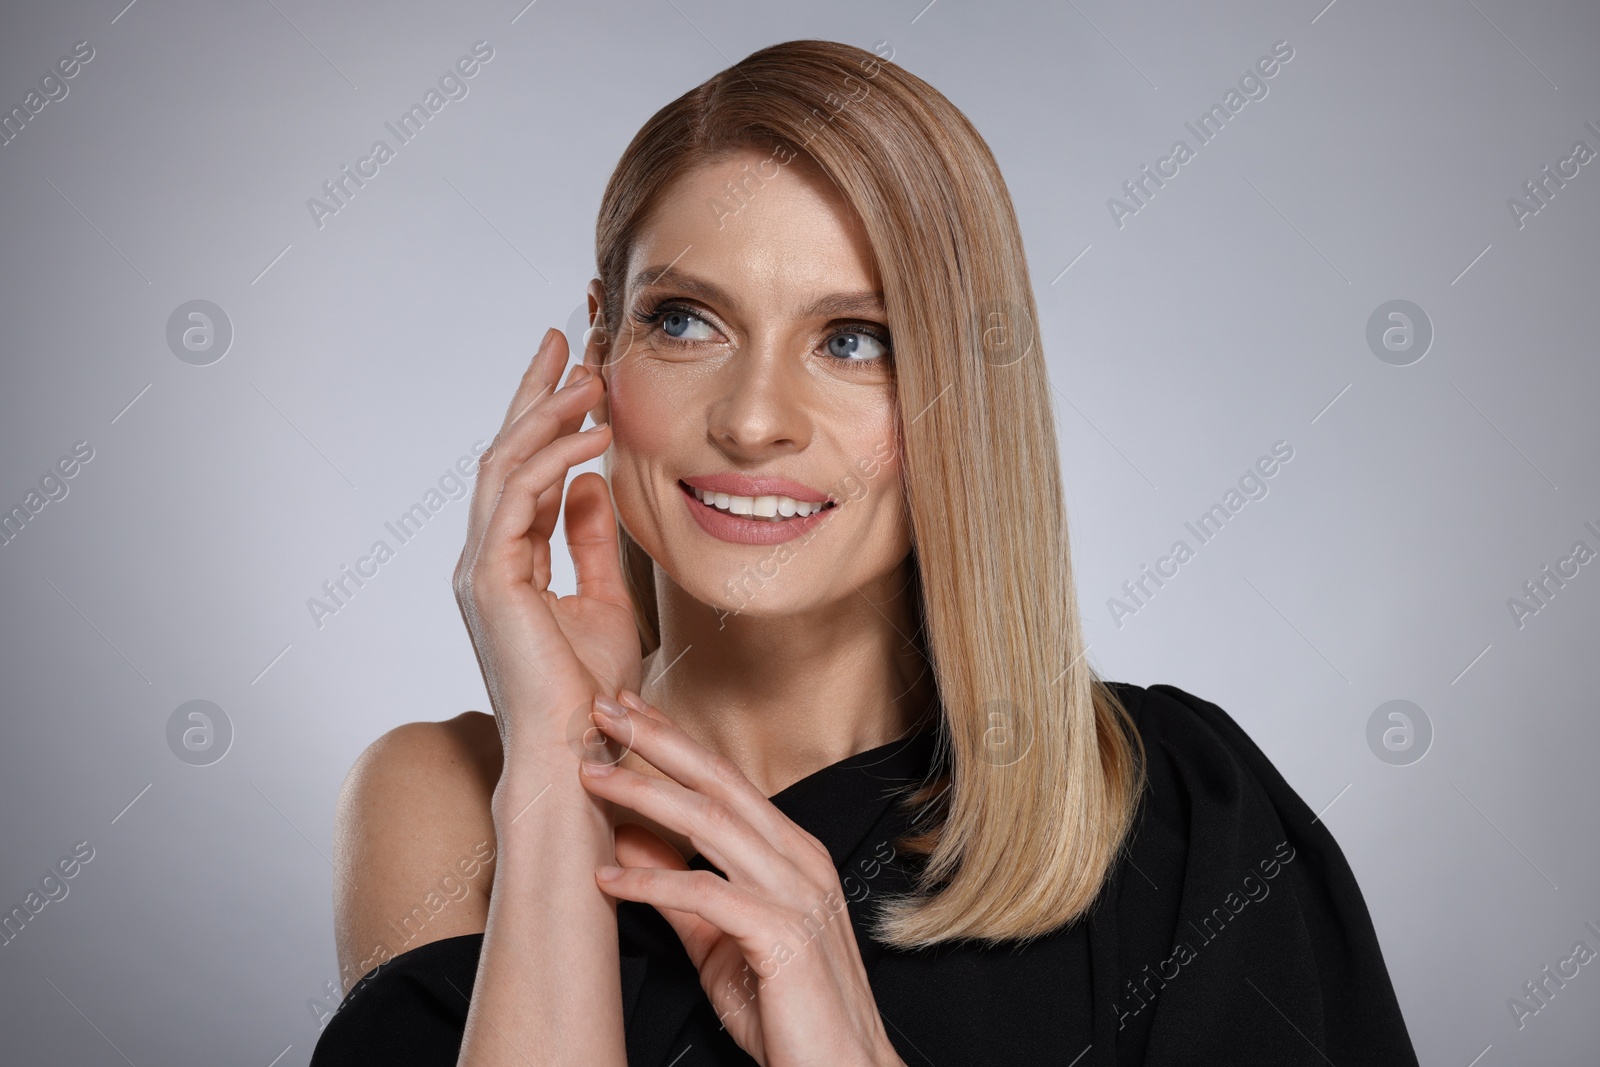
(758, 229)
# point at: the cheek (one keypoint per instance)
(643, 420)
(874, 479)
(648, 425)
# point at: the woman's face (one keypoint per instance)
(753, 364)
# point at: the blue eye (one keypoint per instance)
(677, 323)
(848, 346)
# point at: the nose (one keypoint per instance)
(761, 405)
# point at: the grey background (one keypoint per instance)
(369, 355)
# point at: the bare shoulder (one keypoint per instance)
(414, 841)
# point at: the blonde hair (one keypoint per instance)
(1018, 836)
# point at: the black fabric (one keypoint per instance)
(1231, 932)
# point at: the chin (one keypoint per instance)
(762, 581)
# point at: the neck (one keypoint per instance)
(784, 696)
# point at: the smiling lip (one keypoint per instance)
(743, 485)
(749, 531)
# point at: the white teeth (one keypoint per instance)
(774, 508)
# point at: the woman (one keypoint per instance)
(860, 799)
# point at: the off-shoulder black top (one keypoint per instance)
(1230, 932)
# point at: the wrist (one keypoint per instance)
(538, 785)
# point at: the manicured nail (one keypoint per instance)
(608, 873)
(597, 768)
(632, 699)
(610, 707)
(580, 373)
(544, 342)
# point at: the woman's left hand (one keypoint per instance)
(772, 940)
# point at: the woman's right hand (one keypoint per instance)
(543, 656)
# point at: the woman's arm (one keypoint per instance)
(548, 988)
(419, 842)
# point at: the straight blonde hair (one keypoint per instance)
(1039, 769)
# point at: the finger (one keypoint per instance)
(550, 500)
(667, 748)
(730, 843)
(638, 846)
(522, 433)
(548, 505)
(541, 422)
(637, 703)
(735, 912)
(514, 511)
(536, 381)
(542, 377)
(591, 527)
(551, 417)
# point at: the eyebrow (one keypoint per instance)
(861, 301)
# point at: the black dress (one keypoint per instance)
(1231, 932)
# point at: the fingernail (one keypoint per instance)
(544, 342)
(580, 373)
(608, 873)
(632, 699)
(610, 707)
(597, 767)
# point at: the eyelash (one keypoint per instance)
(655, 314)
